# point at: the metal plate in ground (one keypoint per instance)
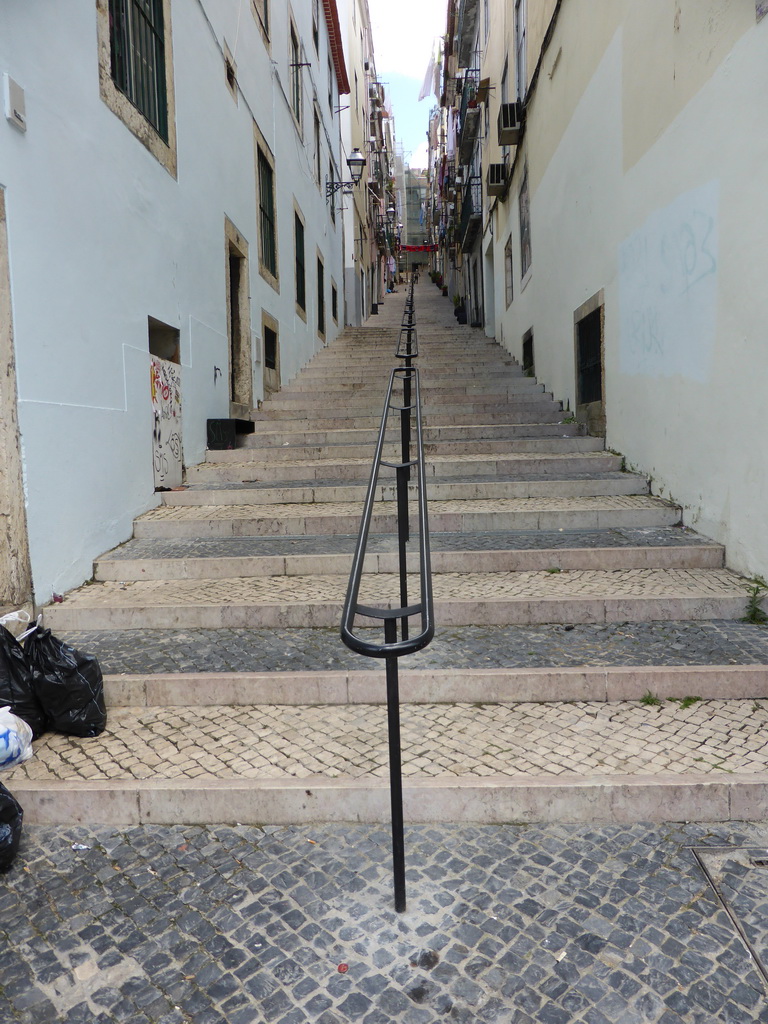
(739, 876)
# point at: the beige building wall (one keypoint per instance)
(646, 146)
(15, 578)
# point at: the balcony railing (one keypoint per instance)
(471, 212)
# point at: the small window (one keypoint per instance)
(230, 72)
(270, 348)
(334, 303)
(316, 24)
(332, 198)
(330, 85)
(164, 340)
(137, 45)
(521, 71)
(320, 297)
(301, 280)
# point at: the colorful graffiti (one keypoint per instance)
(165, 383)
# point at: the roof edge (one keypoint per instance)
(337, 49)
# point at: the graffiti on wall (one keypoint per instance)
(165, 381)
(762, 9)
(668, 289)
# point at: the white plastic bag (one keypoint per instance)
(15, 739)
(16, 622)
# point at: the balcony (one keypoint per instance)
(469, 115)
(471, 213)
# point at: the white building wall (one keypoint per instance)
(101, 236)
(676, 233)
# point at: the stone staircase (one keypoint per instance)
(564, 595)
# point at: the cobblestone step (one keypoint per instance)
(656, 646)
(460, 599)
(515, 465)
(445, 516)
(572, 761)
(215, 559)
(350, 491)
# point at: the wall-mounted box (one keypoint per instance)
(13, 102)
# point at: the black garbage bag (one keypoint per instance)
(11, 817)
(68, 685)
(17, 683)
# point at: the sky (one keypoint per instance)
(404, 37)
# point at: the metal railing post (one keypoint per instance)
(393, 648)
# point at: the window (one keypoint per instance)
(318, 152)
(330, 85)
(525, 227)
(334, 303)
(135, 55)
(332, 199)
(301, 280)
(295, 76)
(268, 232)
(261, 9)
(508, 272)
(320, 297)
(521, 72)
(316, 24)
(137, 47)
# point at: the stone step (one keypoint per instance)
(271, 435)
(514, 465)
(473, 488)
(671, 644)
(364, 449)
(270, 763)
(549, 412)
(447, 391)
(323, 376)
(446, 516)
(460, 599)
(611, 683)
(504, 552)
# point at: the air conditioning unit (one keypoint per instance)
(497, 179)
(510, 118)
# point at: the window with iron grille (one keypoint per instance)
(320, 297)
(137, 47)
(301, 280)
(268, 249)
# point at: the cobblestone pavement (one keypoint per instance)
(505, 925)
(350, 741)
(379, 588)
(520, 540)
(574, 504)
(714, 642)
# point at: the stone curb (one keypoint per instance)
(432, 686)
(490, 800)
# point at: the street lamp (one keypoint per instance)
(356, 164)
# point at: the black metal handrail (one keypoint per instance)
(409, 375)
(393, 648)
